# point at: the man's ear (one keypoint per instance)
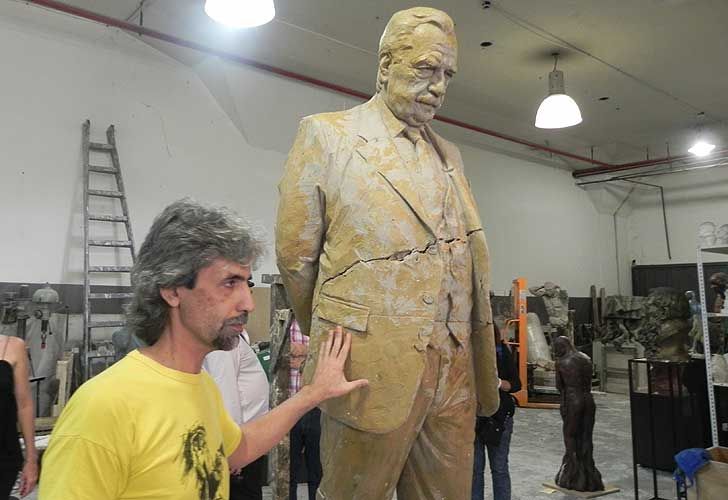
(170, 296)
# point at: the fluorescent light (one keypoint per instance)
(558, 111)
(240, 13)
(701, 148)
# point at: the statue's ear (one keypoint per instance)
(385, 62)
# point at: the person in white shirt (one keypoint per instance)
(244, 387)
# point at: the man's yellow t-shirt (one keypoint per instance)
(141, 430)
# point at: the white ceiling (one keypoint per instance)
(660, 62)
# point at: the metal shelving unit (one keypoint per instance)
(706, 338)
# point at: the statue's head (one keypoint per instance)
(417, 59)
(706, 229)
(562, 346)
(665, 303)
(719, 281)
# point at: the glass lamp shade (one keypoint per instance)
(558, 111)
(702, 148)
(240, 13)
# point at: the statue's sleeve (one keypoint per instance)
(300, 225)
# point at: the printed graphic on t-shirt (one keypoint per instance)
(201, 464)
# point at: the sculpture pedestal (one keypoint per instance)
(608, 490)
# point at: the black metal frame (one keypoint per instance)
(674, 373)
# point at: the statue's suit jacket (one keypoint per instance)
(356, 248)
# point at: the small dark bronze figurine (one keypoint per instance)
(573, 379)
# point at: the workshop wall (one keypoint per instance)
(219, 133)
(691, 198)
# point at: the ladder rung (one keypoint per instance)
(116, 295)
(107, 194)
(105, 324)
(102, 170)
(109, 243)
(109, 269)
(99, 146)
(108, 218)
(95, 355)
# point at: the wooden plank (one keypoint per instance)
(608, 490)
(102, 170)
(110, 243)
(109, 269)
(122, 295)
(106, 324)
(98, 146)
(105, 193)
(64, 369)
(279, 465)
(107, 218)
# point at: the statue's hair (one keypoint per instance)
(186, 237)
(665, 303)
(397, 34)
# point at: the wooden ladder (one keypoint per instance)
(90, 297)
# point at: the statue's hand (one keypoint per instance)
(328, 379)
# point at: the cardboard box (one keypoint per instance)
(711, 482)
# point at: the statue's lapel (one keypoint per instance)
(381, 152)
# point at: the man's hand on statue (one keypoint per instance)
(505, 385)
(328, 379)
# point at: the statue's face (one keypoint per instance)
(706, 229)
(719, 281)
(561, 347)
(415, 80)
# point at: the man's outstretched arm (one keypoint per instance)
(262, 434)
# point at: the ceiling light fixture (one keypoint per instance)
(557, 110)
(701, 147)
(240, 13)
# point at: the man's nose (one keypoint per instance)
(245, 301)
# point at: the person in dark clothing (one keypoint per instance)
(305, 437)
(494, 433)
(16, 407)
(306, 434)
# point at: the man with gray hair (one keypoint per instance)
(154, 425)
(378, 232)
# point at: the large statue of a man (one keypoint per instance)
(378, 231)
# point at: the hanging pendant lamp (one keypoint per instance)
(701, 147)
(558, 110)
(240, 13)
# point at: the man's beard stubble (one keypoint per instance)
(228, 341)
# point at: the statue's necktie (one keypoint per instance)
(428, 175)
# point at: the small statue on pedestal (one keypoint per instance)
(573, 379)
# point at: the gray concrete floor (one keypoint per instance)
(537, 448)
